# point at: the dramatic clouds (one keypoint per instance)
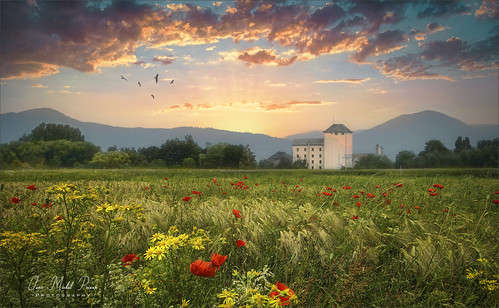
(41, 37)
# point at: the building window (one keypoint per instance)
(320, 155)
(305, 156)
(297, 155)
(320, 167)
(312, 161)
(312, 155)
(304, 149)
(320, 149)
(312, 149)
(312, 167)
(297, 149)
(320, 161)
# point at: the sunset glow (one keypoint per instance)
(271, 67)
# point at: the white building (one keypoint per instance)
(334, 151)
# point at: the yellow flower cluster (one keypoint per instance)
(20, 240)
(483, 276)
(146, 284)
(162, 243)
(116, 211)
(70, 192)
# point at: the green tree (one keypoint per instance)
(489, 150)
(406, 159)
(373, 161)
(436, 155)
(175, 151)
(462, 144)
(52, 132)
(111, 159)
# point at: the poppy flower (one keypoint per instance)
(327, 194)
(195, 192)
(214, 181)
(497, 192)
(129, 258)
(236, 213)
(245, 177)
(217, 260)
(496, 201)
(347, 187)
(438, 186)
(398, 185)
(202, 268)
(186, 198)
(34, 204)
(356, 196)
(240, 243)
(354, 217)
(166, 179)
(15, 200)
(59, 217)
(285, 300)
(146, 187)
(31, 187)
(358, 204)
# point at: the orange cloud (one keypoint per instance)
(350, 80)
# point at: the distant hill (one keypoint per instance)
(14, 125)
(411, 131)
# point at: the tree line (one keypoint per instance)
(436, 155)
(58, 145)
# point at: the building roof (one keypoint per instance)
(312, 141)
(338, 128)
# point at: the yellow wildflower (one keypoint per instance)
(228, 303)
(185, 303)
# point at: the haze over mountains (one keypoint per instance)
(405, 132)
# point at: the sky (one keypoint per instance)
(271, 67)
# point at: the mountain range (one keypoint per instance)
(405, 132)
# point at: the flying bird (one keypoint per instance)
(172, 81)
(152, 96)
(123, 78)
(156, 78)
(138, 82)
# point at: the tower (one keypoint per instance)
(338, 147)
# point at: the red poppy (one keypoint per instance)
(438, 185)
(58, 217)
(358, 204)
(354, 217)
(240, 243)
(496, 201)
(34, 204)
(433, 194)
(377, 186)
(217, 260)
(202, 268)
(129, 258)
(166, 179)
(327, 194)
(356, 196)
(236, 213)
(245, 177)
(31, 187)
(398, 185)
(417, 207)
(281, 287)
(146, 187)
(497, 192)
(195, 192)
(347, 187)
(46, 205)
(15, 200)
(214, 181)
(186, 198)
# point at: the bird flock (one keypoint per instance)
(156, 78)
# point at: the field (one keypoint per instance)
(254, 238)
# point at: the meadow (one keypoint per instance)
(253, 238)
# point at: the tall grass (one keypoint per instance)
(398, 247)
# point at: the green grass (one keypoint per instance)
(406, 248)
